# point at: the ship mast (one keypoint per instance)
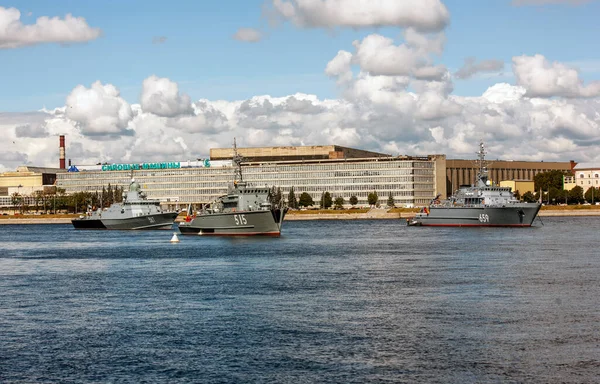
(237, 164)
(482, 176)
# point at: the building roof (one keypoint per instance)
(309, 152)
(587, 166)
(34, 169)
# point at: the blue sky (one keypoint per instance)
(162, 81)
(200, 54)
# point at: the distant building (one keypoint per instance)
(520, 186)
(569, 182)
(25, 182)
(463, 172)
(586, 175)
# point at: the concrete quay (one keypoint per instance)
(370, 215)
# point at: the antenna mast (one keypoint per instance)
(237, 163)
(483, 172)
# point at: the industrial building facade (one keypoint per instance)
(410, 180)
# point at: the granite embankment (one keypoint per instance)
(384, 214)
(304, 215)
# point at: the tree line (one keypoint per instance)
(326, 200)
(551, 186)
(56, 200)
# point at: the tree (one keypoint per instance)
(110, 197)
(276, 196)
(353, 200)
(16, 200)
(372, 198)
(517, 195)
(549, 179)
(306, 200)
(103, 197)
(339, 202)
(326, 200)
(38, 197)
(118, 194)
(576, 195)
(292, 202)
(390, 201)
(529, 197)
(592, 195)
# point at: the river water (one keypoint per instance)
(328, 302)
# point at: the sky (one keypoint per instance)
(153, 81)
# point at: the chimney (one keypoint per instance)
(62, 152)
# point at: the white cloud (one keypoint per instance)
(541, 78)
(14, 34)
(503, 92)
(161, 97)
(472, 67)
(392, 114)
(340, 67)
(99, 110)
(378, 55)
(249, 35)
(28, 130)
(423, 15)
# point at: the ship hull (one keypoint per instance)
(521, 215)
(87, 224)
(144, 222)
(242, 223)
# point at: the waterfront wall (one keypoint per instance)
(372, 214)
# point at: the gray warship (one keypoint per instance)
(136, 212)
(245, 210)
(481, 205)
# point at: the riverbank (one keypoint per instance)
(351, 214)
(395, 214)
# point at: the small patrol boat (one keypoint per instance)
(136, 212)
(483, 204)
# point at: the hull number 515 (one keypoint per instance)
(240, 219)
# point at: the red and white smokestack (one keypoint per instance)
(62, 152)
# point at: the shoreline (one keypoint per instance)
(374, 214)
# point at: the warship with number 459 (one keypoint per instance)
(483, 204)
(245, 210)
(135, 212)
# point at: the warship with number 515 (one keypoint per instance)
(245, 210)
(483, 204)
